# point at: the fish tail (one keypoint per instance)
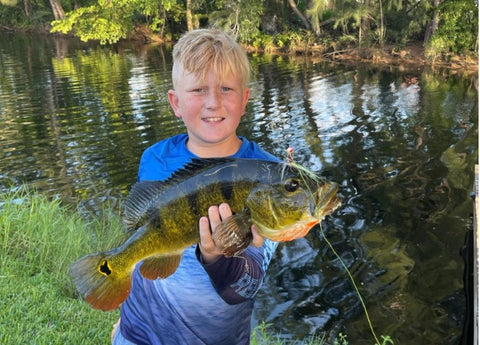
(101, 285)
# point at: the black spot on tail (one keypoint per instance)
(105, 268)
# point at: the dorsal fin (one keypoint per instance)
(138, 202)
(145, 194)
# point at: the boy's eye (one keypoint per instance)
(226, 89)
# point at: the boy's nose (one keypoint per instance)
(213, 99)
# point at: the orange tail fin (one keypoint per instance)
(101, 286)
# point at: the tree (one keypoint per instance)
(58, 12)
(355, 15)
(313, 15)
(241, 18)
(299, 13)
(433, 25)
(316, 9)
(109, 21)
(367, 18)
(188, 13)
(457, 31)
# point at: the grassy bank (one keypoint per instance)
(39, 238)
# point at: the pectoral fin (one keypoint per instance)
(159, 266)
(233, 234)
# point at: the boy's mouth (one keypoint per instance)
(213, 119)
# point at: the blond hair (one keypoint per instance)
(202, 50)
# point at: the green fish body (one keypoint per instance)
(282, 200)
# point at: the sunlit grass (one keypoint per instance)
(261, 335)
(39, 238)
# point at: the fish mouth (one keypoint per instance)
(327, 200)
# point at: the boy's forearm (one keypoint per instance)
(208, 259)
(235, 279)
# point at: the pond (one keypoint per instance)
(402, 145)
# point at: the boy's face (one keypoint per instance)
(211, 110)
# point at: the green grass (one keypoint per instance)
(39, 238)
(261, 335)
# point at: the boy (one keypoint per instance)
(209, 299)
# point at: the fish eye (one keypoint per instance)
(291, 185)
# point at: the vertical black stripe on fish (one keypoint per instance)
(192, 200)
(227, 190)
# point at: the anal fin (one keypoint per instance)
(159, 266)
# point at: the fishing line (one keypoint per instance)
(301, 171)
(354, 286)
(313, 176)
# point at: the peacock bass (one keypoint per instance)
(283, 200)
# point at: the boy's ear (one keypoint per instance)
(246, 96)
(173, 99)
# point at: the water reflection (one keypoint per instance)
(71, 130)
(74, 120)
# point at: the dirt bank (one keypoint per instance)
(409, 58)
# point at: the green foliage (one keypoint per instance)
(251, 21)
(341, 339)
(96, 22)
(13, 14)
(262, 41)
(240, 18)
(293, 40)
(109, 21)
(33, 310)
(10, 3)
(458, 29)
(315, 14)
(408, 22)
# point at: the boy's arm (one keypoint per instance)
(238, 278)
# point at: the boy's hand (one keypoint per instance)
(217, 214)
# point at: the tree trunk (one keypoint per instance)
(188, 13)
(26, 6)
(433, 25)
(382, 26)
(364, 29)
(314, 20)
(58, 12)
(299, 13)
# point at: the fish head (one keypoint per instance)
(291, 203)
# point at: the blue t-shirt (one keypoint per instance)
(199, 303)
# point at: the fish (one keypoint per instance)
(282, 199)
